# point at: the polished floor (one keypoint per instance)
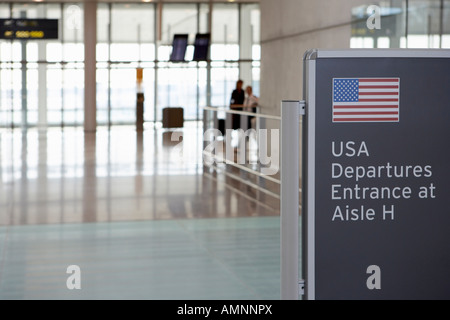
(139, 213)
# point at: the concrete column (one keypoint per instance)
(245, 45)
(23, 14)
(90, 85)
(42, 75)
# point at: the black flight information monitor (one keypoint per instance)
(201, 47)
(179, 46)
(28, 29)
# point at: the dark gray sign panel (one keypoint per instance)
(377, 174)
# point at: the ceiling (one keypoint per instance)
(135, 1)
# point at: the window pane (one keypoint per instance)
(73, 23)
(225, 18)
(132, 23)
(4, 11)
(178, 19)
(425, 23)
(203, 16)
(73, 93)
(123, 95)
(446, 25)
(178, 88)
(103, 23)
(148, 85)
(393, 26)
(223, 82)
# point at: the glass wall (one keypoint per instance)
(42, 81)
(179, 82)
(126, 41)
(403, 24)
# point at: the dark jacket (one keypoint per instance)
(237, 97)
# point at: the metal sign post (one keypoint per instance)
(290, 162)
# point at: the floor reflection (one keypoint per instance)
(65, 176)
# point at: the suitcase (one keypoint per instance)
(173, 117)
(221, 126)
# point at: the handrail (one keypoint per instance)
(234, 164)
(244, 168)
(250, 184)
(242, 194)
(245, 113)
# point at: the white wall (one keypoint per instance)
(288, 29)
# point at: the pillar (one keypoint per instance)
(90, 69)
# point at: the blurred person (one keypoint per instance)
(237, 102)
(250, 103)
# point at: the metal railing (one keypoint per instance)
(211, 121)
(288, 182)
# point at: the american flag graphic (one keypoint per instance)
(366, 99)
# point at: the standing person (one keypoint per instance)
(237, 101)
(250, 103)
